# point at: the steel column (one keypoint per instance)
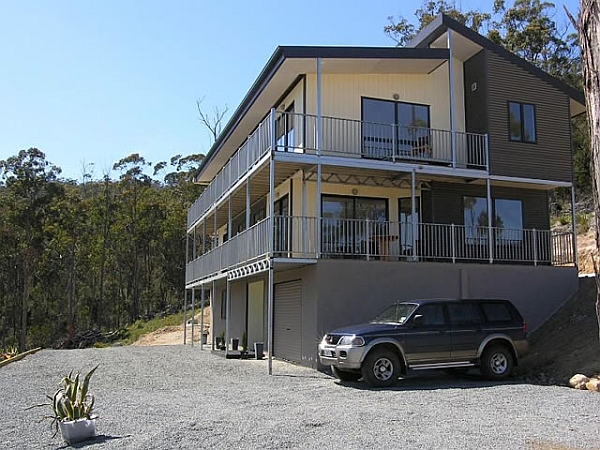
(303, 212)
(201, 316)
(227, 317)
(451, 95)
(574, 227)
(193, 313)
(319, 148)
(413, 213)
(184, 317)
(490, 213)
(213, 302)
(271, 242)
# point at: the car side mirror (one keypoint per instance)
(418, 320)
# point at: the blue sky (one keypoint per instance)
(94, 81)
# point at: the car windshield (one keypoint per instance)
(397, 313)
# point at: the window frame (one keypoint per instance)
(522, 122)
(494, 218)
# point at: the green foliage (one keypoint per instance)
(90, 255)
(142, 327)
(583, 222)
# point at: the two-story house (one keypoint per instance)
(349, 178)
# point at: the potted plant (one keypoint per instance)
(244, 353)
(72, 406)
(222, 347)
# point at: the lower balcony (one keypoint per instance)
(297, 238)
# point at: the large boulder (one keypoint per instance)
(578, 381)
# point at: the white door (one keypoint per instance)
(287, 326)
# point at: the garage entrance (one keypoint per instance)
(287, 323)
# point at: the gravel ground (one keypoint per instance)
(179, 397)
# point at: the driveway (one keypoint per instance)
(180, 397)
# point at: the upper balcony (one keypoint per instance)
(342, 138)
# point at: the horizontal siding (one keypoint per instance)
(551, 157)
(447, 203)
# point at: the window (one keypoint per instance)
(342, 234)
(393, 128)
(282, 227)
(521, 122)
(507, 220)
(464, 314)
(285, 130)
(433, 315)
(496, 312)
(406, 220)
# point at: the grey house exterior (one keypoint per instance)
(349, 178)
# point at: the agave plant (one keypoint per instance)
(72, 400)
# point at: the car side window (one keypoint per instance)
(496, 312)
(433, 315)
(464, 314)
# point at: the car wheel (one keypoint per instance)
(343, 375)
(381, 368)
(496, 362)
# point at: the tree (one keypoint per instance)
(212, 121)
(589, 38)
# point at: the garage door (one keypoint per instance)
(287, 323)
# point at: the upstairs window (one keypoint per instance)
(521, 122)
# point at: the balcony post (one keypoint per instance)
(213, 296)
(303, 212)
(201, 316)
(453, 241)
(227, 316)
(574, 227)
(204, 236)
(489, 208)
(319, 148)
(367, 239)
(487, 152)
(451, 96)
(194, 251)
(184, 316)
(271, 243)
(413, 212)
(193, 313)
(229, 230)
(535, 247)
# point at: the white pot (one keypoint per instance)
(78, 430)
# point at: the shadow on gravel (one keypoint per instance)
(434, 382)
(99, 439)
(289, 375)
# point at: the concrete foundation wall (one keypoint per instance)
(354, 291)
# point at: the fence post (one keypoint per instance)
(535, 248)
(453, 240)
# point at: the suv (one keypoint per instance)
(428, 334)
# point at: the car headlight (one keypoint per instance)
(353, 340)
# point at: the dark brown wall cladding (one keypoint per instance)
(447, 203)
(475, 80)
(551, 157)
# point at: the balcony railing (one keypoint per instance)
(296, 237)
(345, 138)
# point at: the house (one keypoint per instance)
(349, 178)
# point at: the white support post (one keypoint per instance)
(490, 212)
(248, 205)
(229, 230)
(202, 316)
(453, 241)
(535, 247)
(271, 242)
(574, 227)
(184, 317)
(303, 213)
(215, 234)
(227, 317)
(194, 251)
(213, 302)
(368, 239)
(413, 212)
(319, 149)
(451, 96)
(204, 236)
(193, 313)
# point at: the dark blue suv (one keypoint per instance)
(428, 334)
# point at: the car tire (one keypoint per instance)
(344, 375)
(496, 362)
(381, 368)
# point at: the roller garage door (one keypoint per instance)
(287, 321)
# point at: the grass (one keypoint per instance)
(142, 327)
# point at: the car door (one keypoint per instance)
(466, 330)
(426, 340)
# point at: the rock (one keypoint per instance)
(578, 381)
(593, 385)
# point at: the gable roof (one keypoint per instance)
(443, 22)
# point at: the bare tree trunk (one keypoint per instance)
(589, 38)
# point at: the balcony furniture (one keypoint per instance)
(422, 148)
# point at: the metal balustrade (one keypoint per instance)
(345, 138)
(296, 237)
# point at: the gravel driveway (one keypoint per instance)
(182, 398)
